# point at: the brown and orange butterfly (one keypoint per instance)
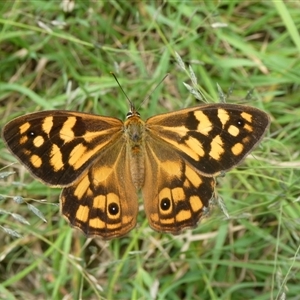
(102, 162)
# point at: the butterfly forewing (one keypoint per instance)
(58, 146)
(212, 138)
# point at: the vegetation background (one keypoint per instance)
(59, 55)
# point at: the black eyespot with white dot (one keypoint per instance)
(31, 134)
(240, 123)
(165, 204)
(113, 209)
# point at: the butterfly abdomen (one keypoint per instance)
(137, 167)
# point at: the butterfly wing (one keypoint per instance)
(104, 201)
(185, 150)
(86, 154)
(213, 138)
(175, 194)
(58, 146)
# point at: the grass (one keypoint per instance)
(253, 254)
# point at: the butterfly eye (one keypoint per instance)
(130, 114)
(113, 209)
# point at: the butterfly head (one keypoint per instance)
(132, 113)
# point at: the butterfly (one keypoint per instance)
(102, 162)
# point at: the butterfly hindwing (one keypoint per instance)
(175, 194)
(104, 201)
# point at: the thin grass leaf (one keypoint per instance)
(230, 90)
(249, 95)
(222, 97)
(6, 174)
(11, 232)
(36, 212)
(193, 91)
(18, 199)
(193, 76)
(180, 61)
(4, 212)
(222, 206)
(219, 25)
(20, 218)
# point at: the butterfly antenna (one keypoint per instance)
(155, 88)
(132, 108)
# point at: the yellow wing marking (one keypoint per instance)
(204, 124)
(66, 133)
(217, 148)
(47, 124)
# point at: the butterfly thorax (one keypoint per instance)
(134, 132)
